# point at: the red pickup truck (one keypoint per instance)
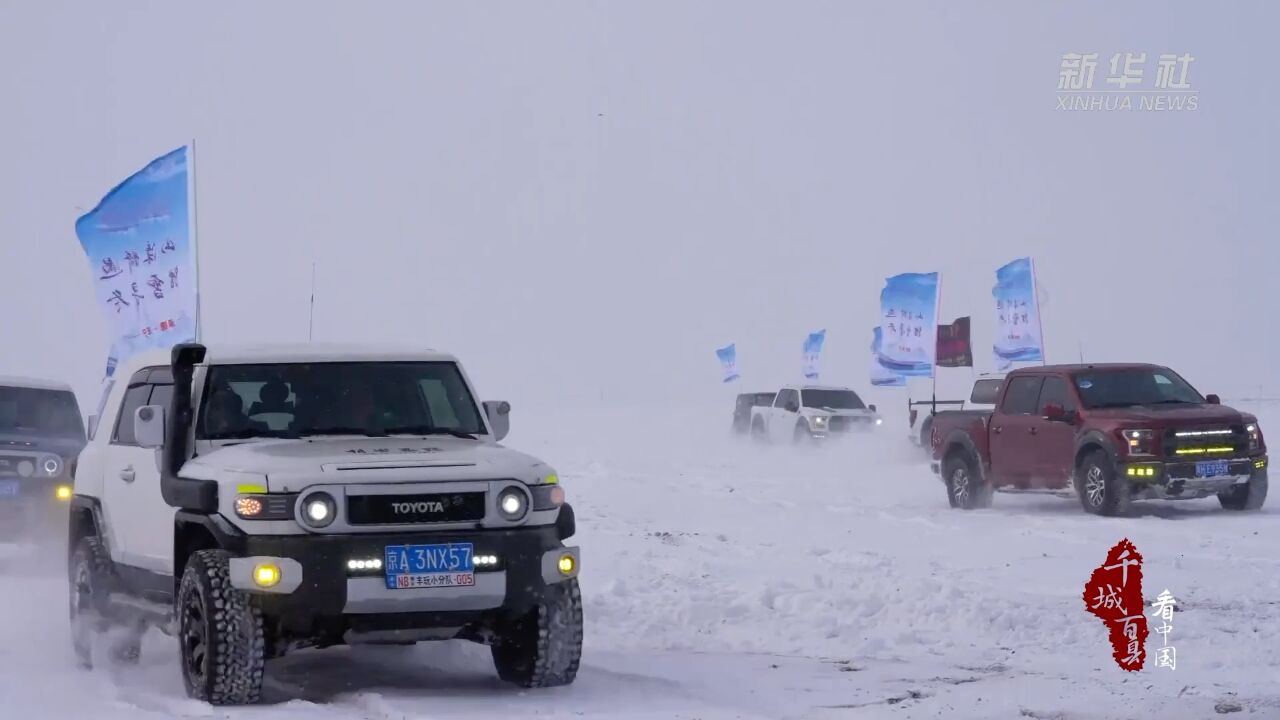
(1111, 433)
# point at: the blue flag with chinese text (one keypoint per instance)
(139, 244)
(909, 322)
(728, 356)
(1019, 337)
(881, 375)
(809, 354)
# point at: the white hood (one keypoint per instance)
(289, 465)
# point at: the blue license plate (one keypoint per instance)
(1212, 468)
(429, 566)
(9, 489)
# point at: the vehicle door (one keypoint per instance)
(1012, 427)
(783, 414)
(1055, 440)
(140, 520)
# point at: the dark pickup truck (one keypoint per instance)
(1111, 433)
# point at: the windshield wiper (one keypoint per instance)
(428, 430)
(341, 430)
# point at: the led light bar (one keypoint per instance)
(1204, 451)
(364, 564)
(1201, 433)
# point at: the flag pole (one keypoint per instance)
(193, 230)
(311, 322)
(1035, 295)
(933, 366)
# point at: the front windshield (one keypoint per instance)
(37, 411)
(1132, 387)
(359, 398)
(832, 399)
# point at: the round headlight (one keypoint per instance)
(511, 504)
(318, 509)
(51, 465)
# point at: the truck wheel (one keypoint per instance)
(926, 433)
(543, 648)
(801, 433)
(90, 585)
(1249, 496)
(220, 634)
(966, 489)
(1101, 489)
(758, 433)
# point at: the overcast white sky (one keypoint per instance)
(584, 200)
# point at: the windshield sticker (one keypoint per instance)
(1084, 384)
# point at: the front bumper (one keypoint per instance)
(39, 506)
(1180, 479)
(330, 597)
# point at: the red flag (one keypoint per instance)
(954, 348)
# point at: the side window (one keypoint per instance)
(134, 398)
(162, 395)
(1055, 391)
(1021, 397)
(785, 397)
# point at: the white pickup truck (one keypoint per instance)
(812, 412)
(982, 398)
(250, 501)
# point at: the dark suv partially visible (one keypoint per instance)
(742, 409)
(41, 434)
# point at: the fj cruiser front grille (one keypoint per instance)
(1205, 442)
(9, 464)
(418, 508)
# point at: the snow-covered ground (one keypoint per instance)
(724, 580)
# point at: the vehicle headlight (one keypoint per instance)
(1255, 437)
(879, 421)
(819, 421)
(318, 509)
(51, 465)
(1139, 442)
(512, 504)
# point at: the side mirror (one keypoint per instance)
(792, 406)
(93, 426)
(148, 426)
(1213, 400)
(872, 408)
(499, 414)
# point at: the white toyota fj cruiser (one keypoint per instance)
(251, 501)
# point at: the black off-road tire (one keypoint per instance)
(1102, 490)
(91, 579)
(543, 648)
(1249, 496)
(926, 434)
(801, 434)
(966, 488)
(220, 635)
(758, 432)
